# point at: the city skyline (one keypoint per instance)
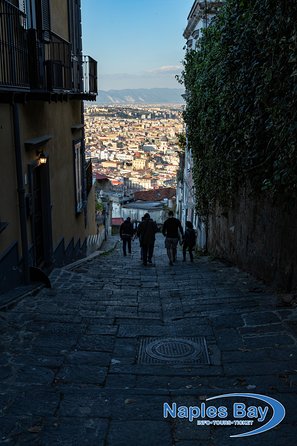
(134, 142)
(138, 44)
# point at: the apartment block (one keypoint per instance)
(47, 209)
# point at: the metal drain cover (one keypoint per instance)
(173, 351)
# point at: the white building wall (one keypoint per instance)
(158, 215)
(197, 20)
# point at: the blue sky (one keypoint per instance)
(137, 43)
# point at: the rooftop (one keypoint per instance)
(155, 194)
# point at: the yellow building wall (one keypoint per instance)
(56, 119)
(91, 222)
(8, 192)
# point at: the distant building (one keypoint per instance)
(109, 164)
(104, 154)
(139, 164)
(200, 16)
(163, 143)
(136, 210)
(149, 148)
(146, 183)
(166, 195)
(116, 224)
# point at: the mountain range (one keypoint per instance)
(141, 96)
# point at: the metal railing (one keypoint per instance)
(84, 74)
(58, 64)
(14, 69)
(89, 75)
(26, 63)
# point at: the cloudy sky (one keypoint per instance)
(137, 43)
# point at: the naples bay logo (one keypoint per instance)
(260, 412)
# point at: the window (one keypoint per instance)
(43, 19)
(30, 9)
(78, 176)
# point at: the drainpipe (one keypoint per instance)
(21, 192)
(84, 179)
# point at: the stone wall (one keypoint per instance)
(260, 237)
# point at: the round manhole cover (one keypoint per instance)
(173, 349)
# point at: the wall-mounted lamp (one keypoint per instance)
(42, 157)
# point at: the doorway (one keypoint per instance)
(41, 215)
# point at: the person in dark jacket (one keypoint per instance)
(172, 230)
(126, 234)
(139, 237)
(189, 241)
(146, 232)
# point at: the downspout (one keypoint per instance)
(21, 192)
(84, 177)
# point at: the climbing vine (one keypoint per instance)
(241, 96)
(182, 143)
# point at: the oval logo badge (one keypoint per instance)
(241, 410)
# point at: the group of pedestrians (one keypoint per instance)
(146, 233)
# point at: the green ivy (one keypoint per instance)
(241, 111)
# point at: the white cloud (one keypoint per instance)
(167, 69)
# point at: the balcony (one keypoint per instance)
(14, 68)
(84, 75)
(64, 72)
(58, 65)
(40, 68)
(89, 75)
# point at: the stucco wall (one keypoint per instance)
(259, 236)
(38, 118)
(91, 213)
(56, 119)
(8, 195)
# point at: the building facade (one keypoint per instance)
(47, 203)
(200, 16)
(198, 19)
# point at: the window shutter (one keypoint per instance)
(75, 26)
(45, 18)
(22, 6)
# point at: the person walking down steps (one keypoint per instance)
(172, 230)
(126, 234)
(189, 241)
(146, 232)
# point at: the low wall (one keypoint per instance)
(260, 237)
(95, 241)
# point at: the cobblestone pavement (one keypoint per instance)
(82, 363)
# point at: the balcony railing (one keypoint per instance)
(14, 67)
(84, 75)
(28, 64)
(58, 64)
(89, 75)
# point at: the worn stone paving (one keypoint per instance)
(70, 366)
